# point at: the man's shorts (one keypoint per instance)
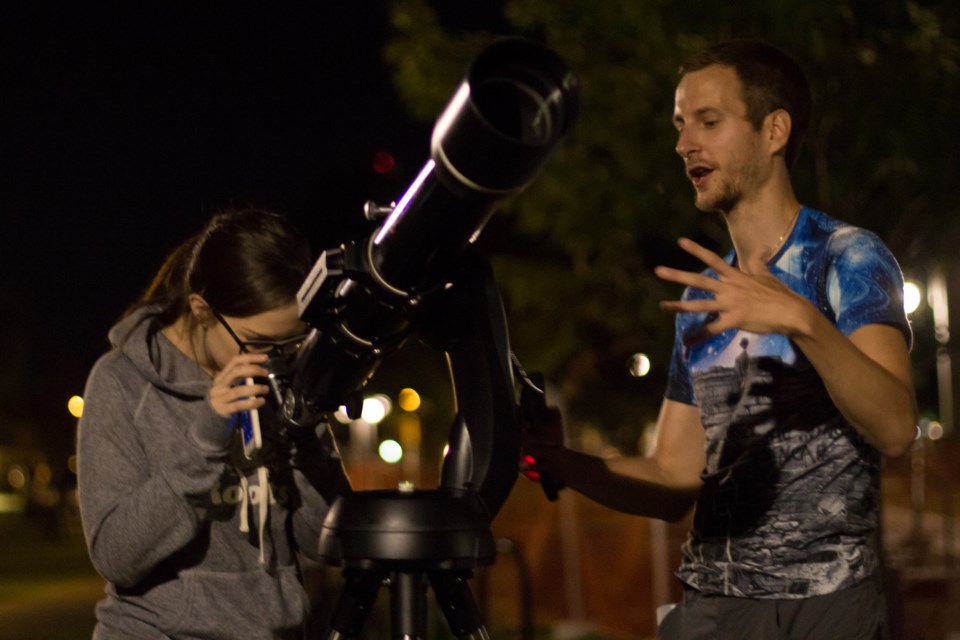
(857, 613)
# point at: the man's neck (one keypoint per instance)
(761, 224)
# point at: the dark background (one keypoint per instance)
(123, 127)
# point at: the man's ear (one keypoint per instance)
(201, 310)
(778, 126)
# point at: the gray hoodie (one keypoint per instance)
(168, 522)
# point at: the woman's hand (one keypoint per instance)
(231, 392)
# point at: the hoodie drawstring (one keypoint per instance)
(263, 480)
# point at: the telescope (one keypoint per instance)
(420, 271)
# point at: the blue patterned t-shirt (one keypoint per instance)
(790, 490)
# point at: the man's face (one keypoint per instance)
(722, 152)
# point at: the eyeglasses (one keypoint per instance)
(273, 348)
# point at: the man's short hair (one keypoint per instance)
(771, 80)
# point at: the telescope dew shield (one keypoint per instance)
(496, 133)
(517, 102)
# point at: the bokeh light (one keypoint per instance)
(390, 451)
(376, 408)
(639, 365)
(409, 399)
(17, 477)
(911, 296)
(383, 162)
(75, 406)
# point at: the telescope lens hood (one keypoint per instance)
(517, 102)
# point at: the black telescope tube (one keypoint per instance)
(517, 102)
(496, 133)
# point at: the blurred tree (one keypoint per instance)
(574, 253)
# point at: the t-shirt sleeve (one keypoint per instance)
(864, 284)
(679, 386)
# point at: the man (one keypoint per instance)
(790, 378)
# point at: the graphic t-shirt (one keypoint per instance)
(790, 490)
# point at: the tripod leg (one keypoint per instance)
(458, 605)
(408, 610)
(355, 603)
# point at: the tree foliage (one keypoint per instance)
(574, 253)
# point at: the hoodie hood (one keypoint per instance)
(138, 337)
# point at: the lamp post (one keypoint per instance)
(938, 302)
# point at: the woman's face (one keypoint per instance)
(276, 326)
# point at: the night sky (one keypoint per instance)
(125, 127)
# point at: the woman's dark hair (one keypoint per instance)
(770, 80)
(243, 262)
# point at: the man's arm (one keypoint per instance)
(663, 486)
(868, 377)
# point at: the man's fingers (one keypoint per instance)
(690, 279)
(706, 256)
(689, 306)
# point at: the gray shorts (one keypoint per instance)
(857, 613)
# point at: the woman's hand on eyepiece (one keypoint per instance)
(234, 389)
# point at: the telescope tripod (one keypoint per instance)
(409, 540)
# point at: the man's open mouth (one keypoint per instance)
(698, 174)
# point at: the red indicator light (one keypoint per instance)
(383, 162)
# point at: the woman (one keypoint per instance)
(195, 537)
